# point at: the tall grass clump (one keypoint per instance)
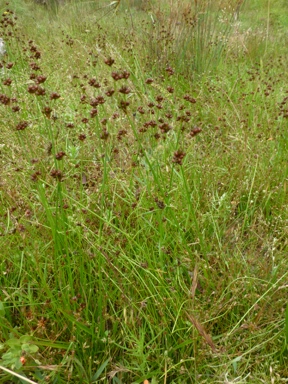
(189, 35)
(143, 214)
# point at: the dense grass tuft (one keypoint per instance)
(143, 214)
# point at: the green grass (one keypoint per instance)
(143, 232)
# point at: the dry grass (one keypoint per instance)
(143, 212)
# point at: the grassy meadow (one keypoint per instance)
(143, 185)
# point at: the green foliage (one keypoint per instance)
(16, 349)
(286, 327)
(143, 213)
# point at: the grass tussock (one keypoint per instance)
(143, 215)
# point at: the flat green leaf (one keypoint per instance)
(13, 342)
(51, 344)
(234, 363)
(2, 309)
(286, 325)
(100, 370)
(30, 348)
(187, 342)
(8, 356)
(18, 364)
(79, 325)
(25, 339)
(10, 363)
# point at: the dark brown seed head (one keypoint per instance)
(54, 96)
(41, 79)
(178, 157)
(109, 92)
(35, 176)
(116, 76)
(165, 127)
(93, 112)
(60, 155)
(4, 99)
(47, 111)
(123, 105)
(15, 108)
(104, 135)
(34, 66)
(94, 83)
(125, 74)
(40, 91)
(152, 123)
(37, 55)
(190, 99)
(7, 82)
(94, 102)
(56, 174)
(100, 99)
(141, 110)
(170, 71)
(121, 133)
(195, 131)
(109, 61)
(160, 203)
(32, 88)
(82, 137)
(125, 90)
(159, 98)
(22, 125)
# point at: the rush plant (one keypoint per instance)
(143, 215)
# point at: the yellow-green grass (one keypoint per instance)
(143, 213)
